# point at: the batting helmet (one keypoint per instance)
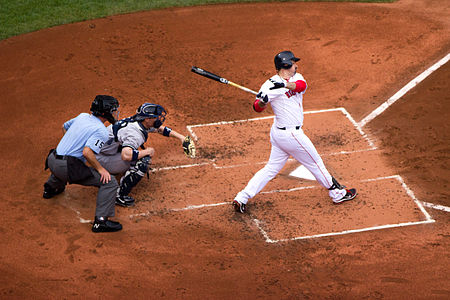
(105, 106)
(283, 60)
(150, 110)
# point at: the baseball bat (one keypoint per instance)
(220, 79)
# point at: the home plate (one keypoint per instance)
(302, 172)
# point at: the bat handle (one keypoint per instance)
(242, 87)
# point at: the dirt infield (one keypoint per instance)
(182, 240)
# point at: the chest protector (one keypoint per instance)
(124, 123)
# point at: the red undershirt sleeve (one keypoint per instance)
(300, 86)
(256, 107)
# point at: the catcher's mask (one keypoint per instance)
(150, 110)
(105, 106)
(284, 60)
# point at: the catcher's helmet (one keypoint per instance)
(105, 106)
(283, 60)
(150, 110)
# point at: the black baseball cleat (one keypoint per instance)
(102, 224)
(125, 201)
(351, 194)
(238, 206)
(50, 192)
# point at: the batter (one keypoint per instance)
(284, 91)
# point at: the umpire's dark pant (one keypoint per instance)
(106, 196)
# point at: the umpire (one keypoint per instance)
(84, 136)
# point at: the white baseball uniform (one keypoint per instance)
(288, 139)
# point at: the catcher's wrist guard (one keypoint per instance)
(166, 131)
(135, 155)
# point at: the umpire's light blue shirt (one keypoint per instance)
(85, 130)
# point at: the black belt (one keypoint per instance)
(284, 128)
(63, 157)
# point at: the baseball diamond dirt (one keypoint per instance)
(182, 239)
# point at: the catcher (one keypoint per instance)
(124, 153)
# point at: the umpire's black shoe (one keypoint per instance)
(50, 192)
(125, 201)
(102, 224)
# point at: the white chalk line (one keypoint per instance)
(82, 220)
(397, 177)
(380, 109)
(192, 207)
(179, 167)
(436, 206)
(291, 190)
(269, 240)
(411, 194)
(351, 231)
(238, 165)
(292, 159)
(189, 127)
(341, 109)
(358, 127)
(216, 166)
(189, 207)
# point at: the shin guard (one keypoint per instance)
(133, 176)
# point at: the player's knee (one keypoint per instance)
(134, 175)
(128, 181)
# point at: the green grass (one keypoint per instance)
(23, 16)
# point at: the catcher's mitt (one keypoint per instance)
(189, 147)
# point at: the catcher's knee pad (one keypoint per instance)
(335, 184)
(143, 164)
(134, 175)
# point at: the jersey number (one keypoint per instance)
(99, 144)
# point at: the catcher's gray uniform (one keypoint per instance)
(125, 133)
(129, 134)
(121, 154)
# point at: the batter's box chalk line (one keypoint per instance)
(358, 126)
(189, 207)
(341, 109)
(409, 192)
(81, 219)
(268, 239)
(212, 162)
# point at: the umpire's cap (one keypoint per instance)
(283, 60)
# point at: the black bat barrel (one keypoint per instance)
(208, 75)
